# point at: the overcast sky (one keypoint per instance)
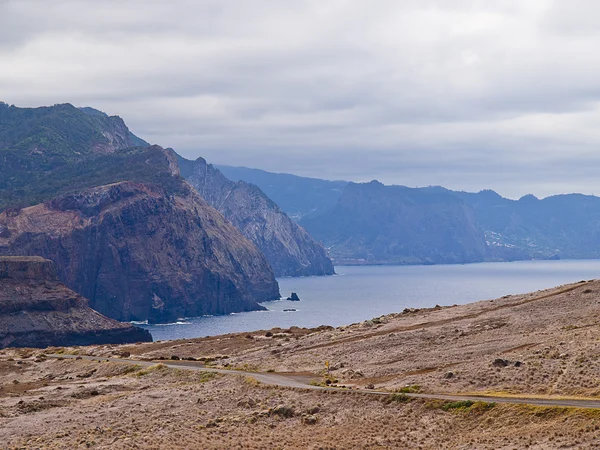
(465, 94)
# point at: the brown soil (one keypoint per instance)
(547, 344)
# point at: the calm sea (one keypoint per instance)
(358, 293)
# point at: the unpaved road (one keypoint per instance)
(302, 382)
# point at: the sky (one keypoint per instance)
(471, 95)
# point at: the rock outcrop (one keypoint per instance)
(140, 251)
(288, 247)
(37, 310)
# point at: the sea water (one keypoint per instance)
(359, 293)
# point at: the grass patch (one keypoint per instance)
(413, 389)
(151, 369)
(397, 397)
(207, 376)
(468, 405)
(251, 381)
(463, 404)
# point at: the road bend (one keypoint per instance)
(297, 382)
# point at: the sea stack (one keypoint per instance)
(37, 310)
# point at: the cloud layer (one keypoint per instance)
(466, 94)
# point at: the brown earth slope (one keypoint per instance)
(543, 344)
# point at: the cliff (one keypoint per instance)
(373, 223)
(287, 246)
(140, 251)
(300, 197)
(36, 310)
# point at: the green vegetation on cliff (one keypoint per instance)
(38, 146)
(133, 164)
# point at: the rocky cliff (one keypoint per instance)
(373, 223)
(288, 247)
(141, 251)
(36, 310)
(300, 197)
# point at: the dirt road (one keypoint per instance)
(301, 382)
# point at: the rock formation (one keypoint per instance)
(36, 310)
(139, 252)
(288, 247)
(114, 214)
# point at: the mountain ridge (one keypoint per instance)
(290, 250)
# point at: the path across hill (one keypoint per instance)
(300, 382)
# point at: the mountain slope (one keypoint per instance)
(36, 141)
(398, 225)
(139, 252)
(288, 247)
(299, 197)
(565, 226)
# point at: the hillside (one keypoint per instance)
(37, 141)
(539, 347)
(124, 229)
(287, 246)
(560, 226)
(373, 223)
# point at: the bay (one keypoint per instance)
(359, 293)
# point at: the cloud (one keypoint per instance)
(469, 94)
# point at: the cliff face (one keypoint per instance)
(300, 197)
(373, 223)
(141, 252)
(288, 247)
(36, 310)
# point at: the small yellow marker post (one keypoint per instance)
(327, 366)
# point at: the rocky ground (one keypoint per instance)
(541, 344)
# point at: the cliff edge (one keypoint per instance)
(37, 310)
(287, 246)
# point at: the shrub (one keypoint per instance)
(397, 398)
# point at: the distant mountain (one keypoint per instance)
(288, 247)
(373, 223)
(299, 197)
(561, 226)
